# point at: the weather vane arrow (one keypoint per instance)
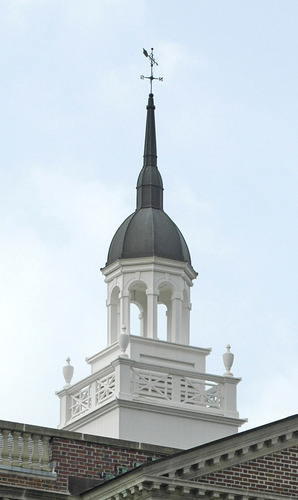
(152, 63)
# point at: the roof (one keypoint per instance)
(149, 231)
(199, 472)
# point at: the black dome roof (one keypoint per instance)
(148, 232)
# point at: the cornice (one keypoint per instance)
(178, 476)
(144, 263)
(138, 487)
(228, 452)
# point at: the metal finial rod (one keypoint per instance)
(152, 63)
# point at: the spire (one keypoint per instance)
(150, 156)
(149, 185)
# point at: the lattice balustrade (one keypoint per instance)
(104, 388)
(189, 391)
(21, 449)
(92, 395)
(80, 402)
(200, 392)
(152, 385)
(170, 386)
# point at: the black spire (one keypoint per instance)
(149, 185)
(150, 156)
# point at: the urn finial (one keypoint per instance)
(68, 372)
(228, 359)
(123, 342)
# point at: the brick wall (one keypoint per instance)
(93, 460)
(91, 457)
(276, 473)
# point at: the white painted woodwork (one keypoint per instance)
(159, 394)
(148, 282)
(145, 389)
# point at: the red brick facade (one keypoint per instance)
(87, 459)
(94, 460)
(259, 463)
(275, 473)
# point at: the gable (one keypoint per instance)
(259, 464)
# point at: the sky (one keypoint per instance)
(73, 111)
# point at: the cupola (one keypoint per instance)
(148, 260)
(149, 385)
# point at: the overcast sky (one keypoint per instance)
(72, 133)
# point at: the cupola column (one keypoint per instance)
(186, 308)
(176, 318)
(152, 298)
(113, 312)
(112, 322)
(169, 322)
(125, 311)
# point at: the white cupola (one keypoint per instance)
(148, 260)
(142, 388)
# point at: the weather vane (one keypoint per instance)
(152, 62)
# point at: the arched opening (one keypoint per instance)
(138, 309)
(165, 312)
(135, 319)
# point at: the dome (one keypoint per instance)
(148, 232)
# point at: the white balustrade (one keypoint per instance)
(132, 381)
(188, 391)
(91, 395)
(24, 450)
(200, 392)
(105, 388)
(80, 402)
(152, 384)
